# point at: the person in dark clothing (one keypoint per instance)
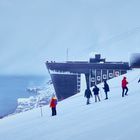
(106, 89)
(88, 94)
(96, 93)
(124, 86)
(139, 80)
(53, 104)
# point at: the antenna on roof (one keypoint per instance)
(67, 54)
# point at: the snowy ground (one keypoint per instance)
(114, 119)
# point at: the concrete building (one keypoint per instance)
(66, 76)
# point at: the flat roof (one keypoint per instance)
(85, 66)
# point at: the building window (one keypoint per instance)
(110, 75)
(104, 76)
(117, 73)
(78, 87)
(78, 83)
(79, 76)
(92, 79)
(93, 72)
(78, 80)
(98, 78)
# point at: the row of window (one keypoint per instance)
(98, 75)
(104, 76)
(78, 82)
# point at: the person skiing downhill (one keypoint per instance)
(53, 104)
(106, 89)
(88, 94)
(124, 87)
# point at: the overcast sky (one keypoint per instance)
(34, 31)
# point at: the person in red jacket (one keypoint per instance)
(53, 104)
(124, 86)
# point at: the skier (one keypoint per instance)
(124, 86)
(88, 94)
(96, 93)
(106, 89)
(53, 104)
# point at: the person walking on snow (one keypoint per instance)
(96, 93)
(88, 94)
(124, 86)
(53, 104)
(106, 89)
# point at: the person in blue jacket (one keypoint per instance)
(88, 94)
(96, 93)
(106, 89)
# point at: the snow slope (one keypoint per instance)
(113, 119)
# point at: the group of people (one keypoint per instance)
(96, 90)
(88, 94)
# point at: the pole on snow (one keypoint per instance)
(41, 111)
(67, 54)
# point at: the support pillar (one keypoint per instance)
(87, 80)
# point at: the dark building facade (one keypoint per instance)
(66, 85)
(66, 76)
(135, 60)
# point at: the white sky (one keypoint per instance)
(33, 31)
